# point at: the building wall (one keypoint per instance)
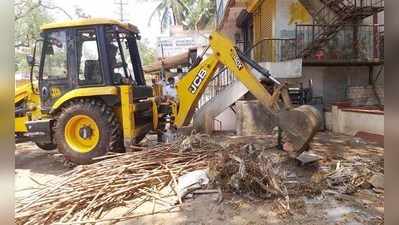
(332, 83)
(288, 13)
(366, 95)
(276, 19)
(226, 121)
(180, 41)
(264, 18)
(346, 122)
(229, 27)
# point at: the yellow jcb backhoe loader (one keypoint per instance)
(90, 95)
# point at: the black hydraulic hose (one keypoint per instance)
(257, 67)
(31, 69)
(245, 54)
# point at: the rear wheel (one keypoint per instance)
(87, 129)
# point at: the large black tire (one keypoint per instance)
(46, 146)
(109, 130)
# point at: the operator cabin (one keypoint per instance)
(85, 111)
(121, 50)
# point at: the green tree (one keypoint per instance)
(191, 14)
(147, 54)
(29, 16)
(170, 12)
(202, 14)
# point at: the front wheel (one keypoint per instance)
(87, 129)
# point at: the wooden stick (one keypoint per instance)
(101, 191)
(175, 184)
(51, 190)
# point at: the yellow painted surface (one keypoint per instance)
(20, 124)
(157, 89)
(88, 22)
(73, 137)
(188, 100)
(223, 53)
(55, 92)
(229, 58)
(298, 14)
(264, 18)
(32, 100)
(155, 115)
(22, 91)
(85, 92)
(252, 5)
(127, 110)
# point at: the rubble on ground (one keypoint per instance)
(89, 191)
(245, 167)
(248, 170)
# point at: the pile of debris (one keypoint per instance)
(90, 191)
(349, 177)
(253, 171)
(249, 170)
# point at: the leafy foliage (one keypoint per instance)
(147, 54)
(191, 14)
(29, 16)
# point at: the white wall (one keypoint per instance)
(331, 82)
(352, 122)
(228, 120)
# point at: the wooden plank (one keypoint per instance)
(170, 62)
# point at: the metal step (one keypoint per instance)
(345, 11)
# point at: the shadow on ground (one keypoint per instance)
(29, 157)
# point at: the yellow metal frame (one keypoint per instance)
(188, 100)
(193, 84)
(19, 125)
(85, 92)
(22, 92)
(25, 93)
(155, 116)
(88, 22)
(127, 110)
(252, 5)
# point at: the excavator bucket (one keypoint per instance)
(300, 125)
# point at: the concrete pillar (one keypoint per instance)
(253, 118)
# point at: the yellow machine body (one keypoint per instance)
(137, 113)
(300, 124)
(24, 94)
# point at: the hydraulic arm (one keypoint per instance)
(300, 124)
(86, 114)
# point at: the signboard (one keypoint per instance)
(169, 46)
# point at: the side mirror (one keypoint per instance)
(30, 60)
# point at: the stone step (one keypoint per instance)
(204, 116)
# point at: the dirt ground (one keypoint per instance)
(365, 205)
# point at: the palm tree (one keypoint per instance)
(203, 12)
(171, 12)
(191, 14)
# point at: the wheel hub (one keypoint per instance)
(85, 132)
(82, 133)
